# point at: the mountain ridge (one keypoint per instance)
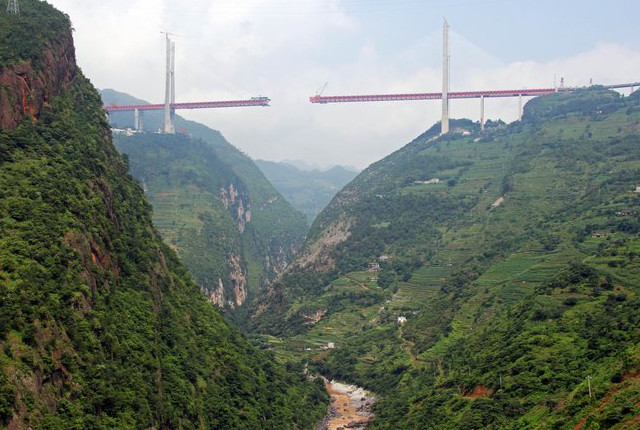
(309, 191)
(461, 277)
(196, 204)
(100, 325)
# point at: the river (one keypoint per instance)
(350, 407)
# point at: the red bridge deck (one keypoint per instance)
(255, 101)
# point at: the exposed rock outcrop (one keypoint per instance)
(318, 254)
(237, 201)
(238, 280)
(28, 85)
(219, 295)
(216, 295)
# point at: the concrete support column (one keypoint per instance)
(172, 112)
(168, 126)
(445, 81)
(520, 107)
(136, 119)
(481, 113)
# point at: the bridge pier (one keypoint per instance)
(138, 122)
(444, 123)
(481, 113)
(519, 107)
(169, 88)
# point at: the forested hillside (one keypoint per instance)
(483, 280)
(101, 327)
(212, 204)
(233, 237)
(309, 191)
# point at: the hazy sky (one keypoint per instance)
(288, 49)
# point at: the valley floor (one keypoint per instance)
(350, 407)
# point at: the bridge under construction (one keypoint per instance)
(445, 95)
(170, 105)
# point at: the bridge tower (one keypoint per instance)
(170, 87)
(445, 81)
(172, 112)
(12, 7)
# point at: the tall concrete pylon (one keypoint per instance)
(169, 96)
(138, 120)
(445, 81)
(172, 112)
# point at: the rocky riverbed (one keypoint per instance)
(350, 407)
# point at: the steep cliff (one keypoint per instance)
(33, 66)
(232, 230)
(101, 326)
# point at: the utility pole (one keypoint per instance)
(589, 383)
(445, 80)
(13, 8)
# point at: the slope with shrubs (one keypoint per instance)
(231, 228)
(307, 190)
(100, 325)
(511, 253)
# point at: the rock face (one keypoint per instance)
(234, 234)
(101, 326)
(28, 85)
(238, 203)
(318, 254)
(239, 282)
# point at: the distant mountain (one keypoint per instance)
(483, 279)
(101, 326)
(305, 165)
(309, 191)
(232, 229)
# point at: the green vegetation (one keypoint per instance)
(309, 191)
(205, 211)
(101, 327)
(22, 37)
(517, 272)
(231, 228)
